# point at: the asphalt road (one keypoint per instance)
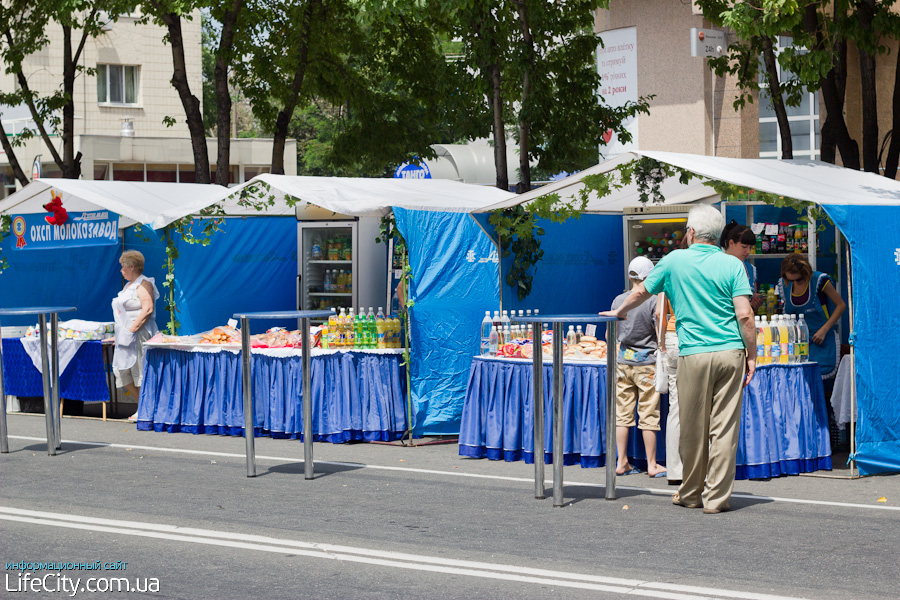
(384, 521)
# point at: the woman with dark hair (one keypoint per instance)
(806, 292)
(739, 241)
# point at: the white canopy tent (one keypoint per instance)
(150, 203)
(809, 180)
(364, 197)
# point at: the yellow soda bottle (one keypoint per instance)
(785, 356)
(396, 342)
(381, 329)
(766, 357)
(330, 331)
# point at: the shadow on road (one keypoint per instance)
(322, 469)
(575, 494)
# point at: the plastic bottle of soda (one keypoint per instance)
(803, 339)
(371, 328)
(380, 329)
(496, 319)
(792, 338)
(760, 341)
(765, 356)
(397, 335)
(504, 319)
(784, 337)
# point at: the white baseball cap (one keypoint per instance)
(639, 268)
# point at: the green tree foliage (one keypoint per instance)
(517, 60)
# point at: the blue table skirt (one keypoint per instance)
(356, 396)
(84, 378)
(784, 423)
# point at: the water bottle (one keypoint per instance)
(578, 334)
(792, 338)
(504, 320)
(493, 341)
(326, 285)
(803, 339)
(316, 250)
(487, 326)
(570, 336)
(776, 342)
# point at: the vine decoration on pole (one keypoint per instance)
(5, 224)
(388, 231)
(519, 234)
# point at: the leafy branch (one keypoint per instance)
(5, 224)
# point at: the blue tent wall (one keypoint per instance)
(451, 288)
(875, 258)
(87, 278)
(249, 266)
(582, 269)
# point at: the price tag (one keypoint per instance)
(232, 323)
(590, 329)
(771, 228)
(398, 273)
(757, 228)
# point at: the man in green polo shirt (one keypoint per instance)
(710, 295)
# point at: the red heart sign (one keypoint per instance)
(607, 135)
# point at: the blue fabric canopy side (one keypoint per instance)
(84, 277)
(876, 277)
(582, 270)
(249, 266)
(454, 280)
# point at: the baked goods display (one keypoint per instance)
(589, 348)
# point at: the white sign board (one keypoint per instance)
(708, 42)
(617, 66)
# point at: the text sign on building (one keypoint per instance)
(98, 228)
(708, 42)
(412, 171)
(617, 66)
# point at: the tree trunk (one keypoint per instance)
(784, 128)
(11, 157)
(283, 120)
(893, 154)
(866, 11)
(833, 86)
(499, 132)
(189, 101)
(71, 169)
(223, 94)
(524, 183)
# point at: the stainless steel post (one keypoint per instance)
(4, 441)
(538, 410)
(54, 380)
(45, 377)
(611, 410)
(308, 471)
(558, 428)
(248, 397)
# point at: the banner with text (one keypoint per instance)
(97, 228)
(617, 66)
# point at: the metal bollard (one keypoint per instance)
(558, 425)
(538, 407)
(611, 410)
(248, 397)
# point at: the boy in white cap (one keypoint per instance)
(636, 373)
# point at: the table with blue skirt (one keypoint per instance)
(356, 395)
(85, 378)
(784, 419)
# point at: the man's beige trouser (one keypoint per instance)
(710, 394)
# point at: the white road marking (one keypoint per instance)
(633, 587)
(284, 459)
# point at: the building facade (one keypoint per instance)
(121, 109)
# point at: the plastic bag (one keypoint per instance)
(662, 373)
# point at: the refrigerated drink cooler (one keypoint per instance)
(652, 231)
(339, 264)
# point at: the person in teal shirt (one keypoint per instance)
(710, 294)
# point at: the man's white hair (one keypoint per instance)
(707, 223)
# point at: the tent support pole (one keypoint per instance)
(853, 470)
(811, 239)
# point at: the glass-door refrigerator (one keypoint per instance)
(652, 231)
(339, 265)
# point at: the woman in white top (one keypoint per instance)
(133, 310)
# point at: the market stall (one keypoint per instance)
(852, 199)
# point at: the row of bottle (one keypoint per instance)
(781, 340)
(790, 237)
(339, 248)
(502, 325)
(656, 247)
(338, 282)
(773, 304)
(362, 331)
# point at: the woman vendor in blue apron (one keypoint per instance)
(806, 292)
(740, 241)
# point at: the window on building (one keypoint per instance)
(118, 84)
(803, 120)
